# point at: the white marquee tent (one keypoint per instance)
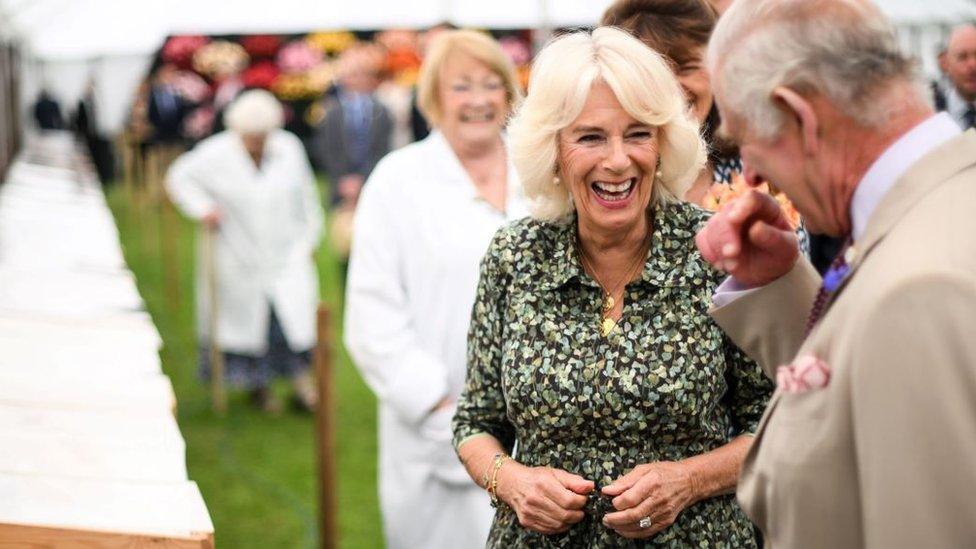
(66, 42)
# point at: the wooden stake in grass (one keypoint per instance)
(325, 433)
(169, 247)
(217, 393)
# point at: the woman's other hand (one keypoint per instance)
(546, 500)
(659, 490)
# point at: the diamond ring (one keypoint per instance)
(645, 523)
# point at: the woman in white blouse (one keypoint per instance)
(254, 187)
(424, 221)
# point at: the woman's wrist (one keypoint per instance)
(506, 479)
(698, 488)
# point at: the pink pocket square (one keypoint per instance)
(806, 374)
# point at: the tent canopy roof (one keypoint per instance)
(84, 29)
(78, 29)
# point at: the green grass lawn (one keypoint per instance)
(257, 473)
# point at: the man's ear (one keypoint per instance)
(804, 114)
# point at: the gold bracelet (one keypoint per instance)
(497, 462)
(485, 476)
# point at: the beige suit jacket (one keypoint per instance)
(885, 455)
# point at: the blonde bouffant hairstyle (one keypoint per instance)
(478, 45)
(562, 76)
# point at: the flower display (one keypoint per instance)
(393, 39)
(402, 59)
(260, 75)
(524, 73)
(261, 46)
(191, 87)
(220, 59)
(321, 76)
(407, 78)
(199, 123)
(295, 87)
(299, 56)
(211, 71)
(721, 194)
(179, 50)
(516, 49)
(331, 42)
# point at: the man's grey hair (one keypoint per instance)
(843, 50)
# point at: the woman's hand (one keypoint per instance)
(659, 490)
(546, 500)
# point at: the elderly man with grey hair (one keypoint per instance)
(870, 437)
(253, 187)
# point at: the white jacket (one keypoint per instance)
(271, 222)
(420, 233)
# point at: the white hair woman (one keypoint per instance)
(253, 187)
(591, 350)
(422, 226)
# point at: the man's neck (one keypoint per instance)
(867, 144)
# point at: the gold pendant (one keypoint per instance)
(607, 326)
(608, 304)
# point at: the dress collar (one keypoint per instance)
(673, 228)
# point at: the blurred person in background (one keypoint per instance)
(603, 406)
(422, 226)
(252, 186)
(47, 112)
(957, 96)
(356, 131)
(167, 107)
(679, 30)
(88, 128)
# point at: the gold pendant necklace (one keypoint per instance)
(607, 323)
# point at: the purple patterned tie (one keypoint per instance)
(831, 281)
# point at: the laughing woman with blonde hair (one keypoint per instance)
(603, 406)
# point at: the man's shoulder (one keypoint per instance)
(935, 237)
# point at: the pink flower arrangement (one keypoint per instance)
(260, 75)
(179, 50)
(516, 49)
(299, 56)
(199, 123)
(191, 86)
(261, 46)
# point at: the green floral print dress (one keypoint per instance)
(664, 385)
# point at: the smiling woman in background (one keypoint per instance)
(679, 31)
(591, 350)
(423, 224)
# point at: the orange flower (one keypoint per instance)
(719, 195)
